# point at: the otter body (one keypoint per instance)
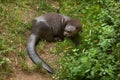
(51, 27)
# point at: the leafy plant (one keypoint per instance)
(95, 58)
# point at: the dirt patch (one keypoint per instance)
(20, 75)
(51, 59)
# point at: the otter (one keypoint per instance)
(51, 27)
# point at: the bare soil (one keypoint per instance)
(19, 74)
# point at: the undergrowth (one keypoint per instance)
(97, 57)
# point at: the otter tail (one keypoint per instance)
(33, 54)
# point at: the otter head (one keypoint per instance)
(72, 28)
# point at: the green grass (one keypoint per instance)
(98, 55)
(15, 26)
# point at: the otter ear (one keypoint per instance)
(77, 28)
